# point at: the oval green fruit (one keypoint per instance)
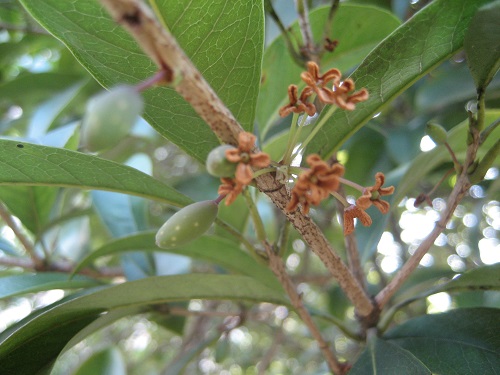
(187, 224)
(217, 164)
(437, 133)
(109, 117)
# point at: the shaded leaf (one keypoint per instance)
(382, 357)
(410, 52)
(461, 342)
(15, 285)
(28, 164)
(209, 248)
(104, 362)
(482, 44)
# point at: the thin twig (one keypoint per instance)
(305, 29)
(23, 239)
(297, 58)
(265, 361)
(277, 266)
(60, 266)
(329, 21)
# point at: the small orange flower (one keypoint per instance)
(371, 195)
(352, 212)
(246, 159)
(298, 105)
(341, 97)
(315, 184)
(317, 82)
(230, 188)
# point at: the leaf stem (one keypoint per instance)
(254, 213)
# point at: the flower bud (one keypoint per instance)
(217, 164)
(436, 132)
(109, 117)
(187, 224)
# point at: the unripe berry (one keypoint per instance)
(187, 224)
(437, 133)
(109, 117)
(217, 164)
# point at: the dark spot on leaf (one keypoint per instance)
(263, 79)
(20, 145)
(132, 18)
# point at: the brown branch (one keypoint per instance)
(277, 266)
(265, 361)
(458, 192)
(305, 29)
(161, 46)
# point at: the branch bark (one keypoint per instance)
(161, 46)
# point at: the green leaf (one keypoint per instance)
(44, 333)
(424, 163)
(459, 342)
(482, 44)
(29, 164)
(104, 362)
(409, 53)
(31, 204)
(15, 285)
(382, 357)
(223, 39)
(482, 278)
(209, 248)
(357, 28)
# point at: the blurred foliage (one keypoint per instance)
(86, 324)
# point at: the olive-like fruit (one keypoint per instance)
(187, 224)
(436, 132)
(109, 117)
(217, 164)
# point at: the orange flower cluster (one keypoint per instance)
(315, 184)
(340, 94)
(246, 159)
(371, 196)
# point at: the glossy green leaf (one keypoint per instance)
(382, 357)
(29, 164)
(357, 28)
(409, 53)
(223, 39)
(460, 342)
(209, 248)
(427, 161)
(15, 285)
(104, 362)
(482, 44)
(44, 333)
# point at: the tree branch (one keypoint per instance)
(161, 46)
(277, 266)
(458, 192)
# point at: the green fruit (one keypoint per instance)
(109, 117)
(217, 164)
(187, 224)
(437, 133)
